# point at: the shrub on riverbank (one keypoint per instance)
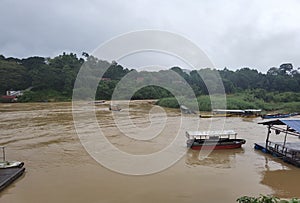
(237, 101)
(265, 199)
(43, 96)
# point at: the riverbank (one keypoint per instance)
(286, 102)
(237, 101)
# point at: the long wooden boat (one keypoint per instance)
(213, 140)
(232, 112)
(214, 115)
(279, 115)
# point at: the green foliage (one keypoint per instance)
(168, 102)
(43, 96)
(151, 92)
(13, 76)
(278, 90)
(105, 89)
(246, 100)
(265, 199)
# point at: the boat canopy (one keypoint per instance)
(292, 124)
(229, 111)
(207, 134)
(252, 110)
(236, 110)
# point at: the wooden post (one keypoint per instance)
(268, 135)
(284, 142)
(3, 153)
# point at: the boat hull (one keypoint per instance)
(270, 116)
(237, 143)
(11, 164)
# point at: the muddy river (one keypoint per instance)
(59, 169)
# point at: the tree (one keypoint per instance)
(13, 76)
(285, 69)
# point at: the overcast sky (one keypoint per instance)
(233, 33)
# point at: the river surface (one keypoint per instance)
(59, 169)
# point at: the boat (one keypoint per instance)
(278, 115)
(214, 115)
(232, 112)
(114, 107)
(186, 110)
(99, 102)
(213, 140)
(9, 164)
(252, 113)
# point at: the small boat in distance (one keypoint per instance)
(209, 140)
(186, 110)
(114, 107)
(279, 115)
(232, 112)
(99, 102)
(214, 115)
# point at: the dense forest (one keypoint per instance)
(52, 79)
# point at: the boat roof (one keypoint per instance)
(253, 110)
(229, 110)
(184, 107)
(293, 124)
(237, 110)
(210, 133)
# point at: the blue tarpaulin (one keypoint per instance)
(294, 124)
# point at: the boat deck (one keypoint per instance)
(290, 152)
(8, 175)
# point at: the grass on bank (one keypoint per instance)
(281, 103)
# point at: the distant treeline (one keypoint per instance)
(53, 79)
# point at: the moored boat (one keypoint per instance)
(279, 115)
(9, 164)
(213, 140)
(232, 112)
(214, 115)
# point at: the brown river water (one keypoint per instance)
(59, 169)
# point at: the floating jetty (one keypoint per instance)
(9, 175)
(287, 151)
(9, 170)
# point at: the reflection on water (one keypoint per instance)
(284, 182)
(60, 170)
(217, 159)
(282, 178)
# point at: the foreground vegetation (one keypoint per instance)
(265, 199)
(52, 79)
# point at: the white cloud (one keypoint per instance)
(234, 33)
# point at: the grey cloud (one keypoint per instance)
(237, 33)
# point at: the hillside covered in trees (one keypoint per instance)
(52, 79)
